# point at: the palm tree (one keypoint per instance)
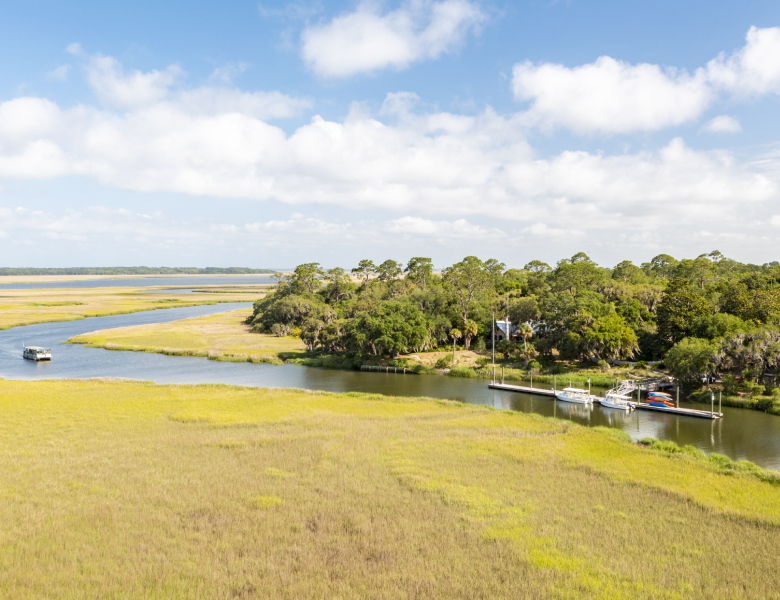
(525, 331)
(455, 334)
(469, 331)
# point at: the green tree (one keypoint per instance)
(537, 266)
(469, 331)
(663, 265)
(575, 276)
(389, 328)
(627, 272)
(699, 271)
(690, 359)
(365, 270)
(389, 270)
(467, 279)
(525, 332)
(419, 270)
(524, 310)
(678, 309)
(306, 278)
(506, 347)
(610, 338)
(339, 284)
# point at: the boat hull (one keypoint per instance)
(574, 400)
(608, 404)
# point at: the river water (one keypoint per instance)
(741, 434)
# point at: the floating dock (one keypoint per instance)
(687, 412)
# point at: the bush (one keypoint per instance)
(480, 345)
(483, 361)
(603, 365)
(295, 332)
(557, 369)
(763, 403)
(535, 364)
(660, 365)
(280, 329)
(444, 361)
(730, 385)
(641, 364)
(462, 372)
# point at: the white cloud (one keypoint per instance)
(366, 40)
(109, 81)
(437, 176)
(775, 220)
(59, 74)
(723, 124)
(752, 70)
(611, 96)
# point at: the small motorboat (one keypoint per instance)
(36, 353)
(617, 401)
(575, 395)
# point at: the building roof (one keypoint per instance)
(502, 327)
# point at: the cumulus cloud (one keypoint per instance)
(611, 96)
(366, 40)
(437, 176)
(723, 124)
(752, 70)
(107, 78)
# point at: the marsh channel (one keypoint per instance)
(741, 434)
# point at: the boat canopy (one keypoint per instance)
(619, 396)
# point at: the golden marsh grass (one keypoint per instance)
(116, 489)
(221, 336)
(27, 307)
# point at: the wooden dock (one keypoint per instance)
(522, 389)
(687, 412)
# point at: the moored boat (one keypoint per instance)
(575, 395)
(617, 401)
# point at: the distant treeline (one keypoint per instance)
(135, 271)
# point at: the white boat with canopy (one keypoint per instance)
(575, 395)
(618, 401)
(36, 353)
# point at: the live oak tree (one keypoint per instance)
(419, 270)
(678, 309)
(467, 279)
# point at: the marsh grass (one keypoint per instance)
(27, 307)
(221, 337)
(116, 489)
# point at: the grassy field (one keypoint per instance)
(26, 307)
(222, 337)
(116, 489)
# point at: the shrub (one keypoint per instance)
(730, 385)
(444, 361)
(480, 345)
(483, 361)
(763, 403)
(641, 364)
(660, 365)
(280, 329)
(535, 364)
(295, 332)
(557, 369)
(462, 372)
(603, 365)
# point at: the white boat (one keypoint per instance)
(36, 353)
(575, 395)
(617, 401)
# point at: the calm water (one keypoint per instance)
(740, 434)
(146, 281)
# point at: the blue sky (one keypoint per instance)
(239, 133)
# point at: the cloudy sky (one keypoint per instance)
(265, 135)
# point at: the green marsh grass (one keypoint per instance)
(222, 337)
(117, 489)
